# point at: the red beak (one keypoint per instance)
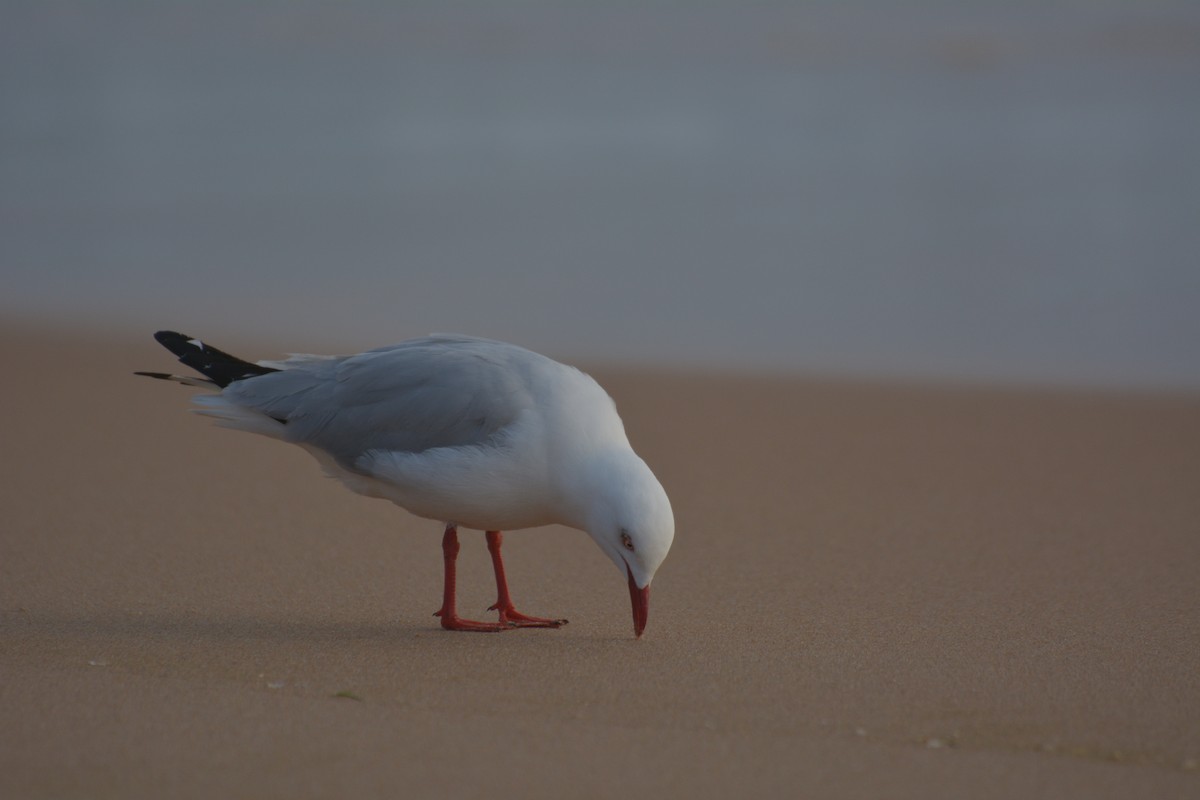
(641, 604)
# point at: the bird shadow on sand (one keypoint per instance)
(169, 627)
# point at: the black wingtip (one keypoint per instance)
(216, 365)
(162, 376)
(177, 343)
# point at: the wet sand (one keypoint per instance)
(875, 590)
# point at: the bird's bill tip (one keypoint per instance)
(640, 598)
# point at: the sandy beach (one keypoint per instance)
(875, 590)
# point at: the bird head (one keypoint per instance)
(630, 518)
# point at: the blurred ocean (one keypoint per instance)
(997, 190)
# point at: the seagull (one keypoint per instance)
(470, 432)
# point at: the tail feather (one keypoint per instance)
(239, 418)
(220, 368)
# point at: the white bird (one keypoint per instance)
(470, 432)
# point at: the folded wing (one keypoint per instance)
(411, 397)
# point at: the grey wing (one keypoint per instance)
(418, 395)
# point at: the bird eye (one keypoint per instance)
(626, 540)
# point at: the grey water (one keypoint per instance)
(999, 191)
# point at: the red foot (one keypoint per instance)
(515, 619)
(453, 622)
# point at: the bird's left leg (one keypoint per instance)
(508, 614)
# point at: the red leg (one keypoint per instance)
(504, 604)
(450, 619)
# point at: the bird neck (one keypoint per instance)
(593, 490)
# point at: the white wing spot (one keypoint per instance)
(196, 342)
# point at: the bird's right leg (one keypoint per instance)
(504, 604)
(450, 619)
